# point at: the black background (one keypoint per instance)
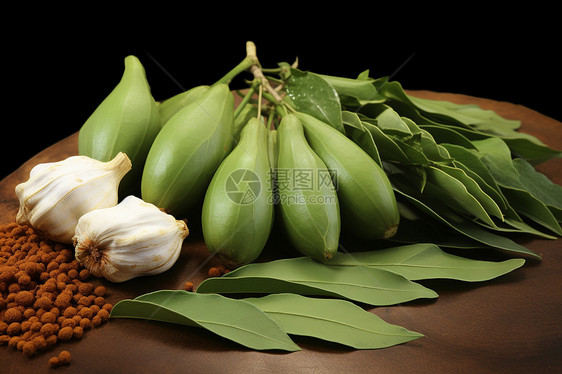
(55, 79)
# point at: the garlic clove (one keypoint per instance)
(57, 194)
(132, 239)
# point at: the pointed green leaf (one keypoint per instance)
(305, 276)
(474, 189)
(387, 147)
(428, 261)
(363, 138)
(237, 320)
(354, 92)
(332, 320)
(538, 184)
(469, 229)
(441, 185)
(311, 94)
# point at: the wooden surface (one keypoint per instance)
(508, 325)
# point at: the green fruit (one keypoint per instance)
(307, 200)
(127, 121)
(187, 152)
(238, 209)
(368, 204)
(172, 105)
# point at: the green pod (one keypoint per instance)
(307, 200)
(187, 152)
(127, 121)
(368, 204)
(238, 210)
(172, 105)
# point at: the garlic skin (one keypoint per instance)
(132, 239)
(57, 194)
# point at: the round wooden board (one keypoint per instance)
(512, 324)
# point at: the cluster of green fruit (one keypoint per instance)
(322, 155)
(197, 152)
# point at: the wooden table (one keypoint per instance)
(509, 325)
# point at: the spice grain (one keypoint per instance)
(45, 294)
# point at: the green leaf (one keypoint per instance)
(387, 119)
(311, 94)
(470, 161)
(538, 184)
(474, 189)
(471, 114)
(236, 320)
(332, 320)
(427, 261)
(448, 134)
(364, 139)
(388, 149)
(355, 92)
(351, 119)
(305, 276)
(496, 155)
(420, 229)
(449, 219)
(467, 119)
(448, 189)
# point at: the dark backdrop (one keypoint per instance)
(55, 81)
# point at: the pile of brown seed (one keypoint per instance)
(45, 294)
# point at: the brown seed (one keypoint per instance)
(19, 347)
(29, 312)
(36, 326)
(48, 317)
(25, 298)
(64, 357)
(47, 329)
(100, 291)
(188, 286)
(54, 362)
(86, 288)
(25, 326)
(13, 342)
(14, 328)
(13, 315)
(85, 323)
(77, 332)
(69, 312)
(96, 321)
(84, 274)
(214, 272)
(51, 340)
(40, 342)
(65, 333)
(43, 302)
(86, 313)
(69, 322)
(99, 301)
(29, 348)
(103, 314)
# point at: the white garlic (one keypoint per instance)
(132, 239)
(57, 194)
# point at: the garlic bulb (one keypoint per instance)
(57, 194)
(132, 239)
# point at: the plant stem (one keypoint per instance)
(245, 100)
(249, 61)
